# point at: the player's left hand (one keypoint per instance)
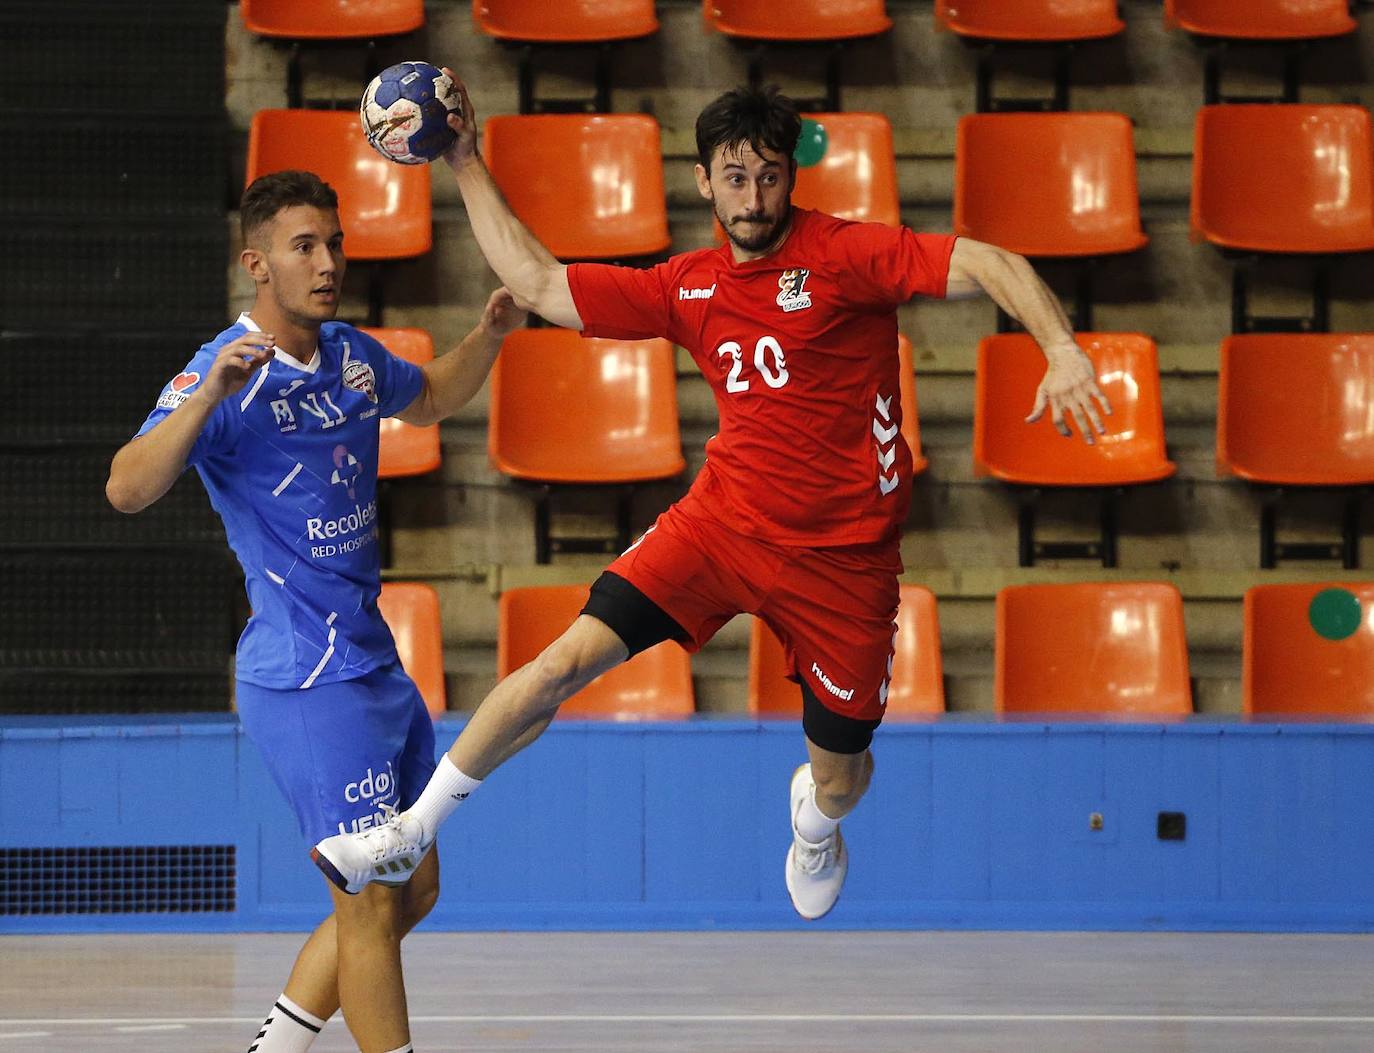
(1070, 385)
(503, 313)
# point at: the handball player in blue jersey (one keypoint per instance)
(279, 414)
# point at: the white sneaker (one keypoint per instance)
(815, 873)
(388, 853)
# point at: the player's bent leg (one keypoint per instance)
(822, 792)
(421, 892)
(371, 988)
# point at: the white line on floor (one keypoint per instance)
(741, 1018)
(27, 1034)
(153, 1027)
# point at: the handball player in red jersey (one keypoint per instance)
(797, 513)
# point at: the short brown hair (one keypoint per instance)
(267, 195)
(761, 117)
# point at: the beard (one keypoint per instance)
(759, 234)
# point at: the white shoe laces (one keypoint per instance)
(813, 859)
(388, 840)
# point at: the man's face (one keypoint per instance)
(302, 262)
(751, 193)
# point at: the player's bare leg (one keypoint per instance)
(313, 984)
(516, 713)
(822, 793)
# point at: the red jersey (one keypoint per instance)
(800, 349)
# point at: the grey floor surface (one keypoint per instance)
(722, 992)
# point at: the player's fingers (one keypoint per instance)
(1076, 412)
(1041, 401)
(1057, 415)
(1085, 404)
(1102, 400)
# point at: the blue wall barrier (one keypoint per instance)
(970, 824)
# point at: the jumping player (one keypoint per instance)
(796, 515)
(279, 414)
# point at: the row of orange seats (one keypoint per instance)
(1266, 178)
(607, 20)
(1293, 409)
(1115, 650)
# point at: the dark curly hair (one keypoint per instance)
(267, 195)
(761, 117)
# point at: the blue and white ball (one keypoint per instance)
(405, 110)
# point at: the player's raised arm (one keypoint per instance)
(452, 379)
(146, 467)
(1070, 382)
(522, 263)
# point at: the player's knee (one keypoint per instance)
(845, 782)
(376, 913)
(422, 893)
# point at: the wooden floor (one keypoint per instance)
(723, 992)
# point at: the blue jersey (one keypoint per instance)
(290, 463)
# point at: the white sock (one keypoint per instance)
(287, 1029)
(407, 1048)
(812, 825)
(447, 789)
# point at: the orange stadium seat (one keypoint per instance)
(384, 207)
(654, 685)
(566, 22)
(625, 428)
(1293, 408)
(1283, 178)
(411, 610)
(1262, 19)
(1109, 649)
(404, 448)
(911, 422)
(1048, 184)
(1041, 21)
(330, 19)
(588, 186)
(1288, 668)
(917, 684)
(798, 20)
(1009, 370)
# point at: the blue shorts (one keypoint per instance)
(340, 751)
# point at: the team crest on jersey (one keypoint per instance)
(359, 377)
(178, 391)
(794, 296)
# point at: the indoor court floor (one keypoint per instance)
(736, 992)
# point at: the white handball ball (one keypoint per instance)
(405, 112)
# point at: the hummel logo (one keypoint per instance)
(696, 294)
(459, 796)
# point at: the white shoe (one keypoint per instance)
(388, 853)
(815, 873)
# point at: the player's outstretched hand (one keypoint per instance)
(236, 362)
(464, 125)
(503, 313)
(1070, 385)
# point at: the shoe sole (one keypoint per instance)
(331, 871)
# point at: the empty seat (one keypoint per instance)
(1288, 667)
(1102, 649)
(857, 177)
(917, 683)
(800, 20)
(588, 186)
(1009, 370)
(654, 685)
(625, 428)
(1048, 184)
(1262, 19)
(1030, 20)
(1283, 178)
(330, 19)
(1294, 408)
(406, 449)
(567, 22)
(411, 610)
(384, 207)
(911, 422)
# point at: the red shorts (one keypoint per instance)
(834, 609)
